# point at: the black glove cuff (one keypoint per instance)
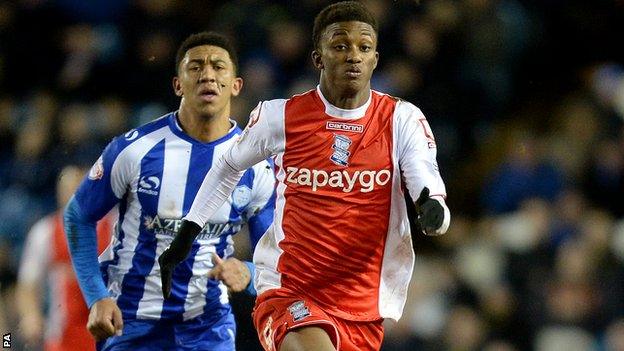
(432, 214)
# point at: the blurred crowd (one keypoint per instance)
(526, 98)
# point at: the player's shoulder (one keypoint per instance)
(268, 112)
(407, 108)
(304, 95)
(136, 133)
(402, 105)
(305, 98)
(404, 109)
(271, 105)
(279, 104)
(46, 221)
(122, 141)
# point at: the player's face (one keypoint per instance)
(347, 55)
(206, 81)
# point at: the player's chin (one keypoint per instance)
(209, 109)
(353, 85)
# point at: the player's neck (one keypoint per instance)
(204, 128)
(345, 99)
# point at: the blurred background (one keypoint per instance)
(525, 97)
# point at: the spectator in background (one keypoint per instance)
(77, 135)
(525, 173)
(45, 269)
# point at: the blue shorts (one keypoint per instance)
(209, 333)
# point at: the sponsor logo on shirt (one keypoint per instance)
(131, 135)
(149, 185)
(298, 311)
(97, 170)
(347, 127)
(314, 178)
(341, 150)
(170, 227)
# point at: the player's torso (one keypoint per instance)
(160, 192)
(338, 184)
(164, 192)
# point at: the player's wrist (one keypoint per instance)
(250, 289)
(433, 214)
(183, 242)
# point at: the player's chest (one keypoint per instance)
(165, 187)
(333, 143)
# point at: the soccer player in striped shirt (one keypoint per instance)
(153, 173)
(338, 257)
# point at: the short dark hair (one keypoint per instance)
(206, 38)
(343, 11)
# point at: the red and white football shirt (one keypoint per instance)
(340, 234)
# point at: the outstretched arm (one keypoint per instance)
(215, 189)
(251, 148)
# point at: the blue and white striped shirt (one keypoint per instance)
(153, 173)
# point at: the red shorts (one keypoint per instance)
(279, 311)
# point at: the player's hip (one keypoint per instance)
(206, 332)
(279, 311)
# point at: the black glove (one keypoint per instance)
(177, 252)
(430, 212)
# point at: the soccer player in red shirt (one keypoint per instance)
(45, 271)
(338, 258)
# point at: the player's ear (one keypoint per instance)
(376, 59)
(316, 59)
(237, 85)
(177, 87)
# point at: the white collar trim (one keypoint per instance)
(341, 112)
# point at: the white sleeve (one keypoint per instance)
(260, 139)
(416, 149)
(263, 136)
(36, 254)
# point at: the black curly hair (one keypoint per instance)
(206, 38)
(343, 11)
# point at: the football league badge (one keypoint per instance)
(341, 150)
(298, 311)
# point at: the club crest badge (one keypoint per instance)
(241, 196)
(341, 150)
(298, 311)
